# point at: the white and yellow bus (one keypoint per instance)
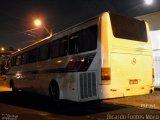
(108, 56)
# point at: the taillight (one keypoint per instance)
(105, 73)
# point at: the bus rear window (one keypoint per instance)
(128, 28)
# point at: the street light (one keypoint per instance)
(38, 23)
(148, 2)
(2, 49)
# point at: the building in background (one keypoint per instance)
(154, 24)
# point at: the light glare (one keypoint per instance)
(37, 22)
(59, 61)
(148, 2)
(2, 49)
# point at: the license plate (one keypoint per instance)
(135, 81)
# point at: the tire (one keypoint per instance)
(54, 92)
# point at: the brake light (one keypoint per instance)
(105, 73)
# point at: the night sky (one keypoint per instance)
(16, 16)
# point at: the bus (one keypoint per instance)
(107, 56)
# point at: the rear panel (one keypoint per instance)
(126, 57)
(131, 73)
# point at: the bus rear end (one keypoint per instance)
(126, 60)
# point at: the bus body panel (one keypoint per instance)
(35, 77)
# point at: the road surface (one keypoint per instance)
(26, 106)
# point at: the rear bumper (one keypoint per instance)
(108, 91)
(138, 90)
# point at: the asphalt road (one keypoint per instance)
(27, 106)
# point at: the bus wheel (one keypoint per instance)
(54, 92)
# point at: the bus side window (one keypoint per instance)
(33, 55)
(88, 40)
(59, 47)
(44, 52)
(25, 58)
(73, 43)
(63, 48)
(84, 40)
(13, 61)
(18, 60)
(54, 47)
